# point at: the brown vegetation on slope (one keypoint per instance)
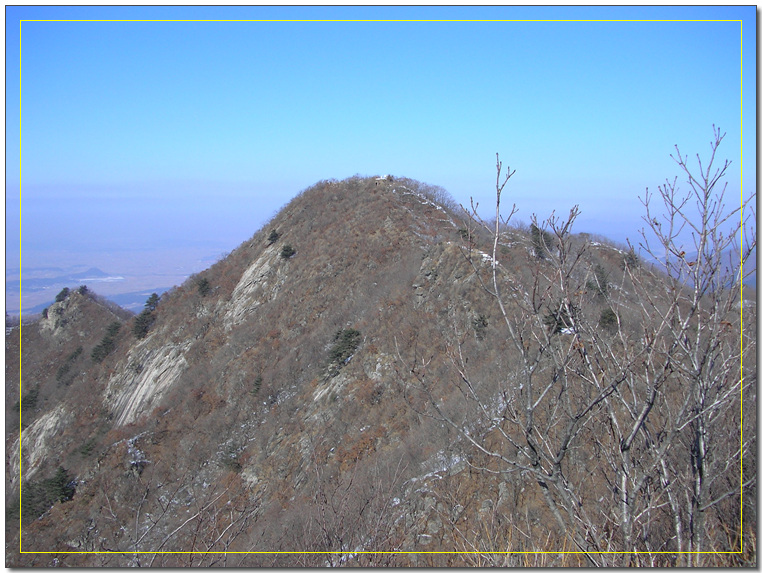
(282, 399)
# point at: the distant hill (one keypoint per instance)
(354, 386)
(53, 284)
(93, 275)
(131, 301)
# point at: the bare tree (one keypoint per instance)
(350, 518)
(171, 521)
(624, 403)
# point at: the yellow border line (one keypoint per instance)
(741, 533)
(20, 475)
(381, 552)
(369, 552)
(349, 552)
(360, 20)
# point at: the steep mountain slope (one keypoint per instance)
(55, 364)
(275, 402)
(248, 380)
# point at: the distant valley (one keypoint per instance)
(126, 279)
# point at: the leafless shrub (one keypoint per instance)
(631, 435)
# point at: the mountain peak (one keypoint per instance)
(321, 388)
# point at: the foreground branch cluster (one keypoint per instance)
(625, 402)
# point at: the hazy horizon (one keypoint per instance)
(136, 144)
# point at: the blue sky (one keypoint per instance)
(142, 135)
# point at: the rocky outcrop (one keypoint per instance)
(36, 442)
(143, 379)
(259, 283)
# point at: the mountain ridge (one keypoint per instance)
(254, 276)
(281, 381)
